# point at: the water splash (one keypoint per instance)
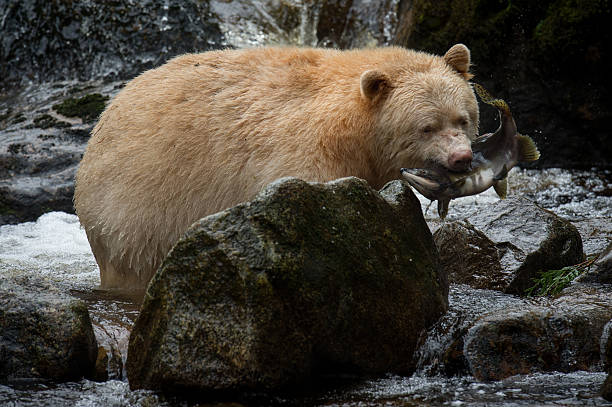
(575, 195)
(54, 248)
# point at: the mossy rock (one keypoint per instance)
(44, 334)
(88, 108)
(46, 121)
(304, 279)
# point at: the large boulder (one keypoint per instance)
(306, 278)
(44, 333)
(507, 245)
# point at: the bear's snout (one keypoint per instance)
(460, 160)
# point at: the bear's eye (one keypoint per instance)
(427, 129)
(463, 121)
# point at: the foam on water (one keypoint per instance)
(54, 247)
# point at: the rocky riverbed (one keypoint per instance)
(567, 365)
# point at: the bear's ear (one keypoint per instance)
(373, 84)
(458, 57)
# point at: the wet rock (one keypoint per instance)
(44, 333)
(324, 23)
(304, 279)
(492, 335)
(606, 389)
(441, 350)
(601, 271)
(606, 346)
(352, 24)
(563, 335)
(50, 41)
(109, 365)
(606, 339)
(506, 245)
(39, 154)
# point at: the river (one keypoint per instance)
(55, 248)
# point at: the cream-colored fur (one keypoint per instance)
(206, 131)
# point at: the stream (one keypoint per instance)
(55, 249)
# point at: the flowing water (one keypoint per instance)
(55, 248)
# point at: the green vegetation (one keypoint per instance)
(88, 108)
(568, 26)
(552, 282)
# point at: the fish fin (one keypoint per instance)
(486, 97)
(502, 174)
(501, 187)
(528, 151)
(443, 207)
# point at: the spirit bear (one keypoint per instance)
(206, 131)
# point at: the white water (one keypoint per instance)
(54, 248)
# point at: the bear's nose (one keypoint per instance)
(460, 160)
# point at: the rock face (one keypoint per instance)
(306, 278)
(58, 40)
(507, 246)
(43, 334)
(40, 148)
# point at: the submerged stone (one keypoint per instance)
(304, 279)
(43, 334)
(507, 245)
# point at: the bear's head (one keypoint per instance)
(427, 113)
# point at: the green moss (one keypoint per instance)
(20, 118)
(46, 121)
(88, 107)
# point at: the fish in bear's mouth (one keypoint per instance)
(494, 154)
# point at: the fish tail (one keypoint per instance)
(486, 97)
(528, 151)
